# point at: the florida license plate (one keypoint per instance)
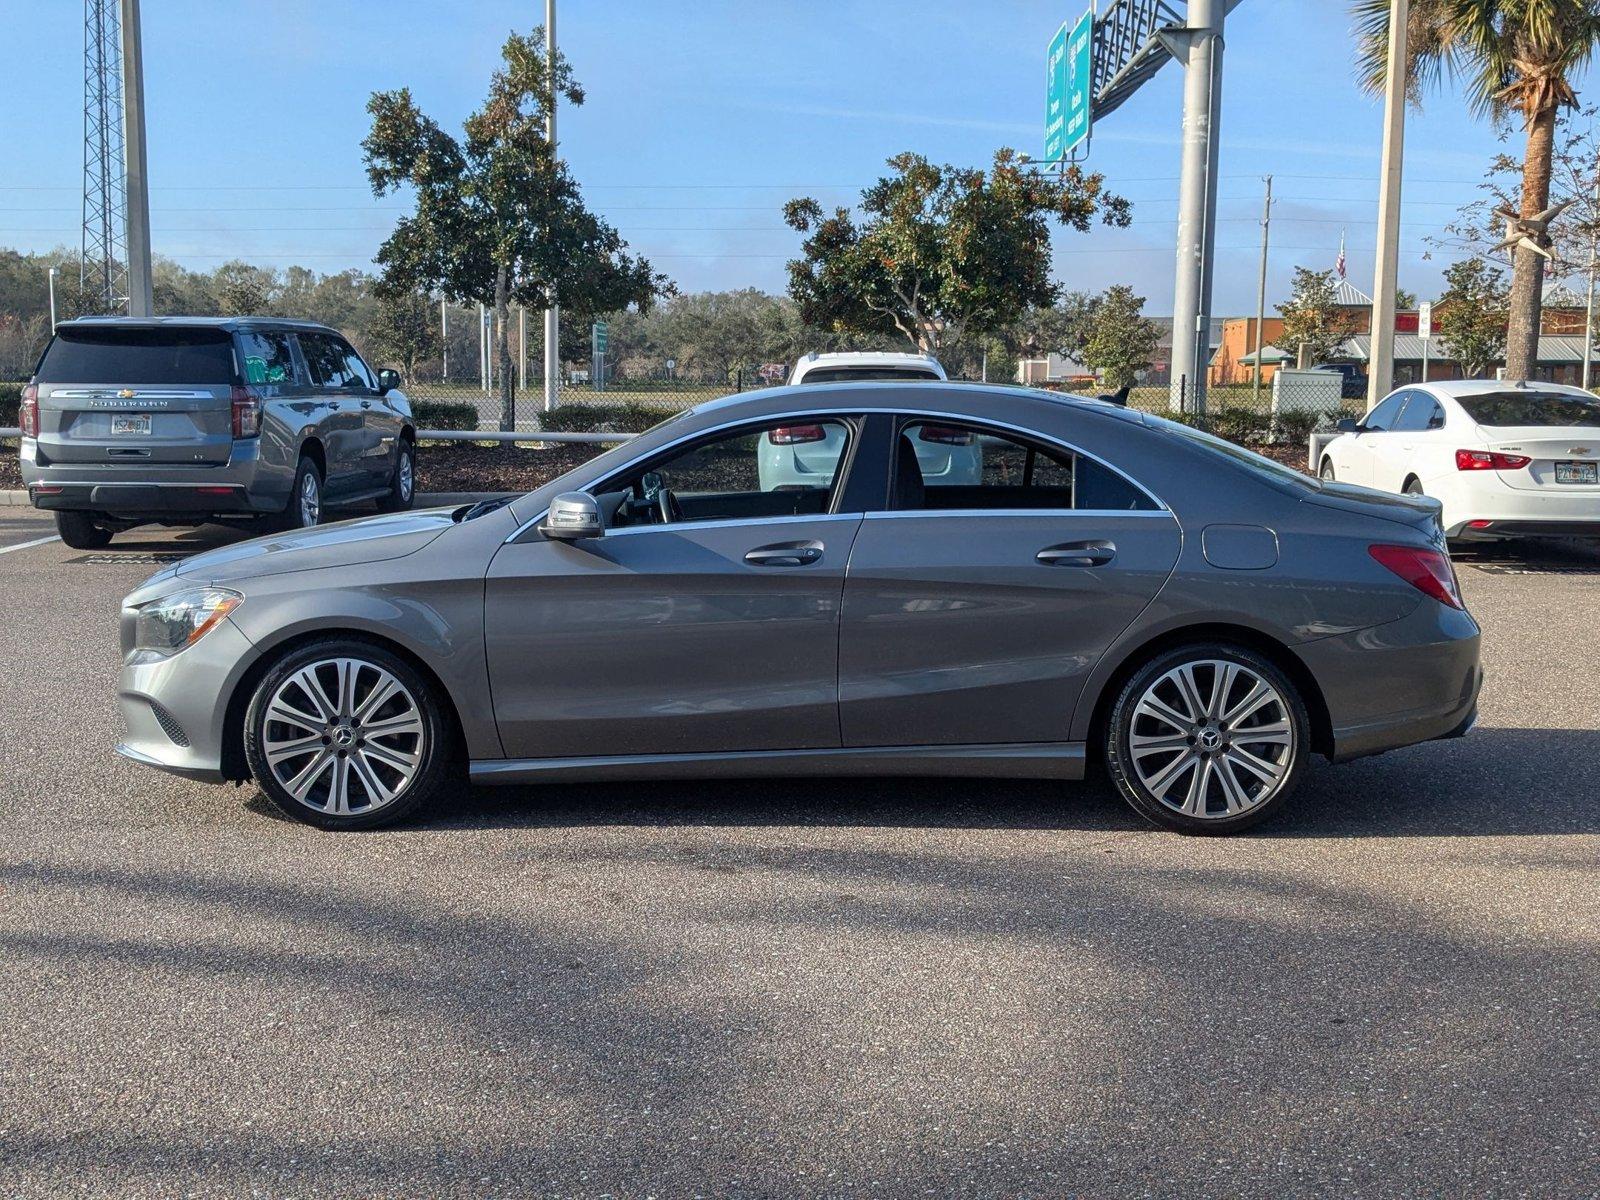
(1577, 472)
(131, 424)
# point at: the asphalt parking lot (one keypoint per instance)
(896, 988)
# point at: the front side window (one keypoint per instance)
(785, 469)
(355, 369)
(1421, 414)
(327, 361)
(947, 466)
(268, 357)
(1523, 407)
(1382, 418)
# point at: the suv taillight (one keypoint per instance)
(246, 412)
(28, 413)
(1429, 571)
(943, 435)
(1490, 460)
(790, 435)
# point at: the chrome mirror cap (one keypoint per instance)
(573, 516)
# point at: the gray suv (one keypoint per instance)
(183, 420)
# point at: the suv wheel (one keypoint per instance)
(305, 498)
(78, 530)
(1207, 738)
(343, 734)
(402, 486)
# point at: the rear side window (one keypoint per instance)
(332, 363)
(1532, 408)
(133, 355)
(268, 357)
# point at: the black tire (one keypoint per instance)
(294, 515)
(433, 745)
(78, 530)
(1325, 472)
(1287, 709)
(403, 483)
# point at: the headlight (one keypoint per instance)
(178, 621)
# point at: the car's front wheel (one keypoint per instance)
(1207, 738)
(344, 734)
(78, 530)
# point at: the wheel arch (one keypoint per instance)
(234, 767)
(311, 447)
(1274, 651)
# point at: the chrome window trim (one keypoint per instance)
(867, 410)
(899, 513)
(733, 523)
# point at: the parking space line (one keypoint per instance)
(28, 545)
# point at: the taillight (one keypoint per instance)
(246, 412)
(28, 414)
(944, 435)
(1429, 571)
(793, 435)
(1490, 460)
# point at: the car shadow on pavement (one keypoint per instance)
(1494, 782)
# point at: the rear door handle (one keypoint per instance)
(784, 554)
(1078, 554)
(366, 404)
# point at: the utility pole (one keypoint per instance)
(54, 272)
(140, 302)
(1261, 289)
(1380, 363)
(1588, 321)
(483, 349)
(444, 335)
(552, 315)
(1198, 47)
(522, 348)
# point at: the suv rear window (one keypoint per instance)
(1531, 408)
(187, 356)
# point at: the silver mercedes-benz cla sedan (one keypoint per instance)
(1113, 588)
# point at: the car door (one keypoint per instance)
(704, 620)
(974, 611)
(340, 425)
(380, 425)
(1398, 454)
(1355, 453)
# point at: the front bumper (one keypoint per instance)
(175, 709)
(1398, 684)
(154, 491)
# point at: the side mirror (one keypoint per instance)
(388, 379)
(1346, 425)
(573, 516)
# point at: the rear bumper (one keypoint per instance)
(1519, 512)
(1395, 685)
(139, 492)
(1494, 529)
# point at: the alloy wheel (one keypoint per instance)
(406, 478)
(1212, 739)
(343, 736)
(310, 500)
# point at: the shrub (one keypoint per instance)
(1238, 424)
(444, 414)
(623, 416)
(1297, 426)
(10, 403)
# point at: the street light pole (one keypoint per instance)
(140, 300)
(1380, 360)
(1261, 289)
(54, 272)
(552, 315)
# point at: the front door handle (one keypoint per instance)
(366, 404)
(784, 554)
(1078, 554)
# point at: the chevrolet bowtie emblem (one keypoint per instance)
(1580, 450)
(126, 393)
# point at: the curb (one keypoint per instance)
(19, 499)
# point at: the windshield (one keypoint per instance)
(1249, 459)
(1522, 408)
(138, 355)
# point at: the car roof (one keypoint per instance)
(910, 396)
(1452, 389)
(225, 323)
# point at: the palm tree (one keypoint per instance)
(1515, 57)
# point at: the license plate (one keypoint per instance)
(134, 424)
(1577, 472)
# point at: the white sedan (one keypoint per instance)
(1505, 459)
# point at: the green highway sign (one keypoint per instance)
(602, 336)
(1068, 77)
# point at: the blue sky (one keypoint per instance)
(704, 117)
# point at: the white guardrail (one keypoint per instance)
(469, 435)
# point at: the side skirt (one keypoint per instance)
(1020, 760)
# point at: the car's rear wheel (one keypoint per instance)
(1207, 738)
(343, 734)
(305, 499)
(79, 530)
(1413, 488)
(403, 483)
(1325, 472)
